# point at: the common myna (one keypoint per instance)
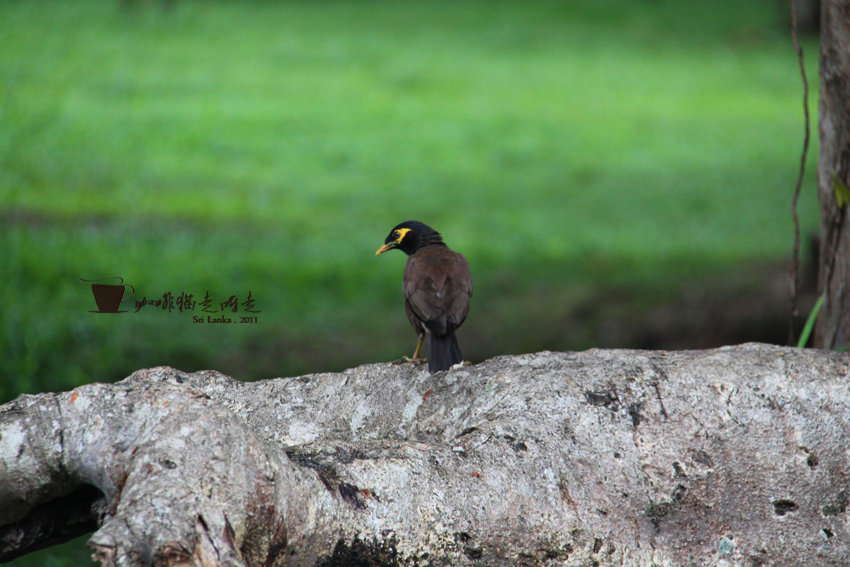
(437, 287)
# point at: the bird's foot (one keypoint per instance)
(415, 360)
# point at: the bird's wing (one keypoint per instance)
(437, 287)
(458, 290)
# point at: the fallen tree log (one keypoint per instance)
(734, 456)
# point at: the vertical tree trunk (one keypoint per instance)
(833, 327)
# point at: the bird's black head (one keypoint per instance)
(409, 237)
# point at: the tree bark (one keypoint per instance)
(734, 456)
(833, 325)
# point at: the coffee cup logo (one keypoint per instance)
(109, 296)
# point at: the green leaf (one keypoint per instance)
(842, 192)
(810, 322)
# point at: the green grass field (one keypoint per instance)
(226, 147)
(269, 147)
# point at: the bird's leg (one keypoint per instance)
(415, 359)
(418, 346)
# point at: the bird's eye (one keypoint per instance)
(396, 235)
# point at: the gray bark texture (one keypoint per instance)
(833, 325)
(734, 456)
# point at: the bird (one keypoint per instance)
(437, 285)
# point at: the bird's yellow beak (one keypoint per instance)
(385, 247)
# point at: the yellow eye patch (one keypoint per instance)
(402, 233)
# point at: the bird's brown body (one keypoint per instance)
(437, 285)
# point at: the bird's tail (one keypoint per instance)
(443, 351)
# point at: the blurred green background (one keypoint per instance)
(618, 174)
